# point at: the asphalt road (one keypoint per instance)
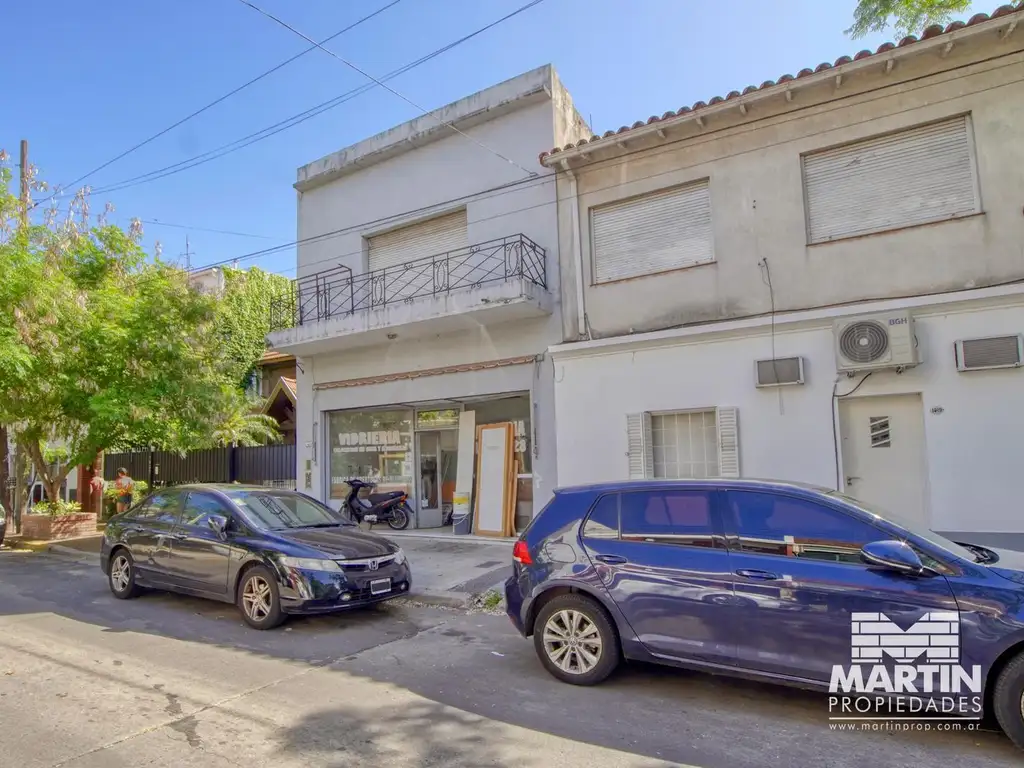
(87, 681)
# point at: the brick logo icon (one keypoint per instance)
(936, 636)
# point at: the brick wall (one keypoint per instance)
(52, 528)
(936, 635)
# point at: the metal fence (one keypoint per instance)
(271, 465)
(336, 292)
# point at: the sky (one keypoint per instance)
(87, 81)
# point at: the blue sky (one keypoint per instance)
(85, 84)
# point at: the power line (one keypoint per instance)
(207, 229)
(230, 93)
(509, 187)
(301, 117)
(367, 75)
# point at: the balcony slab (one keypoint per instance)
(488, 304)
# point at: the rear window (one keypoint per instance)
(603, 522)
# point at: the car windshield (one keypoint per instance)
(918, 530)
(280, 510)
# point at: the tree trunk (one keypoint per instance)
(6, 497)
(51, 480)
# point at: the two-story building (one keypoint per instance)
(820, 278)
(428, 288)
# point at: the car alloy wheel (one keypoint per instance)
(573, 642)
(257, 599)
(122, 575)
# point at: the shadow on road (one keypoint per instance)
(476, 664)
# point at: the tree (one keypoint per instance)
(100, 346)
(907, 16)
(242, 424)
(244, 317)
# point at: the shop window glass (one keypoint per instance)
(373, 446)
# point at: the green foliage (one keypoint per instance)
(241, 424)
(100, 346)
(139, 489)
(243, 318)
(907, 16)
(56, 508)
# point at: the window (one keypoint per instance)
(373, 446)
(672, 517)
(683, 444)
(777, 524)
(913, 177)
(279, 511)
(199, 507)
(159, 508)
(416, 241)
(603, 522)
(654, 233)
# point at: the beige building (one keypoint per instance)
(731, 270)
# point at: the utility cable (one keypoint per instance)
(386, 87)
(228, 95)
(301, 117)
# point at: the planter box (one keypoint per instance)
(54, 528)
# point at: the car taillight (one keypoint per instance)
(521, 554)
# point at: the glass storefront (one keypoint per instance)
(416, 450)
(373, 446)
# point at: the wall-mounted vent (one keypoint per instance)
(779, 372)
(988, 353)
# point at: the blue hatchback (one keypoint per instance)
(782, 582)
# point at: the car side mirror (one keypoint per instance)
(218, 523)
(894, 556)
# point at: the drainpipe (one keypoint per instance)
(577, 253)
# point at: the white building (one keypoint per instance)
(428, 285)
(885, 189)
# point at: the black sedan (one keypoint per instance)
(271, 552)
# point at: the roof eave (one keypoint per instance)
(885, 60)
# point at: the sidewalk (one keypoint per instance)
(448, 572)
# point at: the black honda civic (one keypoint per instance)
(272, 552)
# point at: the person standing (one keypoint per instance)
(125, 485)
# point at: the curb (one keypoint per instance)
(468, 539)
(91, 558)
(441, 598)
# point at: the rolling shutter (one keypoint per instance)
(914, 177)
(654, 233)
(427, 238)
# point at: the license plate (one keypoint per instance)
(380, 586)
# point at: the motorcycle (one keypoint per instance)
(391, 507)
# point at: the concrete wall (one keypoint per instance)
(414, 172)
(754, 165)
(972, 445)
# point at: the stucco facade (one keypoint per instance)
(446, 348)
(657, 374)
(751, 156)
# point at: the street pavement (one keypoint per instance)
(87, 681)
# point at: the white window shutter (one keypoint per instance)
(654, 233)
(639, 453)
(917, 176)
(728, 442)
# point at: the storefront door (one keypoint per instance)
(436, 461)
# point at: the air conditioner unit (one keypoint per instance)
(875, 342)
(986, 354)
(779, 372)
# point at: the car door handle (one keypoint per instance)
(611, 559)
(756, 575)
(180, 536)
(133, 528)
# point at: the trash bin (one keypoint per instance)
(462, 519)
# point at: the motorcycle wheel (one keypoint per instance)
(399, 519)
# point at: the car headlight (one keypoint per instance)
(308, 563)
(399, 556)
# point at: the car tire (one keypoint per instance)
(1008, 700)
(121, 575)
(576, 640)
(259, 599)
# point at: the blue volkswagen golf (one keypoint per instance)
(782, 582)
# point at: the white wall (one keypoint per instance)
(973, 446)
(754, 165)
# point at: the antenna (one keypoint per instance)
(188, 254)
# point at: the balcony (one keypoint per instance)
(487, 283)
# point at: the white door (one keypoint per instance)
(883, 453)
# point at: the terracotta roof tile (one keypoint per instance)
(933, 31)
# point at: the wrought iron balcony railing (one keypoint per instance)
(336, 292)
